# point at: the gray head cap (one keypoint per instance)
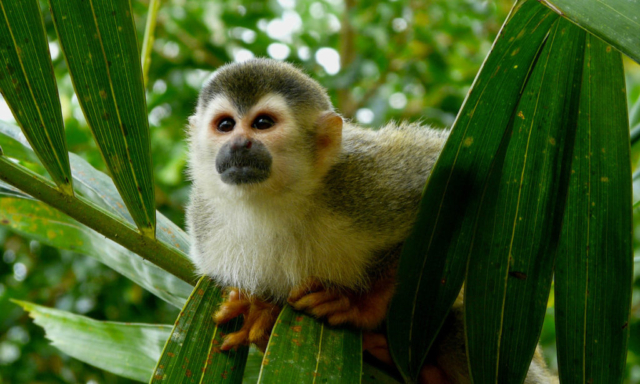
(246, 82)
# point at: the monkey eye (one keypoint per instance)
(226, 125)
(263, 122)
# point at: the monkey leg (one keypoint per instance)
(364, 310)
(259, 318)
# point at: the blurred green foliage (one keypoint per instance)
(380, 60)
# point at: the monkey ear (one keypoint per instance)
(328, 139)
(329, 130)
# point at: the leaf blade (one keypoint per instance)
(614, 21)
(97, 205)
(128, 350)
(192, 351)
(595, 263)
(303, 350)
(49, 226)
(440, 239)
(511, 262)
(29, 86)
(98, 40)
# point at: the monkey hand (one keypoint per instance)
(259, 318)
(364, 310)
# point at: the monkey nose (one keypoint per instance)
(241, 143)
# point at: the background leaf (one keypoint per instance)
(49, 226)
(28, 85)
(99, 42)
(129, 350)
(106, 204)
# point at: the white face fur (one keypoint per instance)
(290, 169)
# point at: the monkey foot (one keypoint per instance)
(341, 306)
(259, 318)
(377, 345)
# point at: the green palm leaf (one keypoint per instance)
(192, 352)
(303, 350)
(614, 21)
(434, 259)
(29, 87)
(594, 270)
(128, 350)
(511, 261)
(99, 42)
(97, 205)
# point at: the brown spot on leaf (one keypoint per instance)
(299, 318)
(518, 275)
(171, 354)
(297, 328)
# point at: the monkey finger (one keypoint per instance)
(357, 316)
(341, 304)
(262, 324)
(314, 299)
(431, 374)
(230, 310)
(236, 339)
(311, 285)
(374, 340)
(233, 294)
(376, 344)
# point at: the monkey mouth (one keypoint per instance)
(244, 174)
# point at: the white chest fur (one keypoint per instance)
(270, 250)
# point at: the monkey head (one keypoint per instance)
(261, 127)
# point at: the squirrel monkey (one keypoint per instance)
(292, 204)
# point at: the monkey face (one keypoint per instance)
(262, 128)
(261, 148)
